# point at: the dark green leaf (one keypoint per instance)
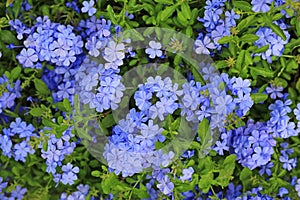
(41, 87)
(15, 73)
(36, 112)
(166, 13)
(225, 39)
(249, 38)
(277, 30)
(108, 121)
(242, 5)
(245, 177)
(259, 97)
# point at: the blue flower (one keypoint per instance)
(18, 193)
(297, 187)
(93, 45)
(261, 5)
(65, 90)
(283, 191)
(6, 145)
(187, 174)
(88, 7)
(3, 185)
(27, 57)
(154, 50)
(165, 186)
(224, 104)
(275, 91)
(230, 18)
(21, 151)
(201, 47)
(297, 112)
(220, 147)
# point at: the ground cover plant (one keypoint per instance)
(149, 99)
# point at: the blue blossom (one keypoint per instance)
(6, 145)
(231, 16)
(73, 5)
(275, 91)
(18, 193)
(21, 150)
(3, 185)
(266, 169)
(114, 54)
(65, 90)
(165, 186)
(88, 7)
(297, 112)
(20, 28)
(220, 147)
(187, 174)
(224, 104)
(154, 50)
(21, 128)
(93, 46)
(27, 57)
(261, 5)
(283, 191)
(202, 46)
(288, 164)
(297, 187)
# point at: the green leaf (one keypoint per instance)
(206, 181)
(67, 105)
(249, 38)
(276, 29)
(186, 10)
(108, 121)
(41, 87)
(111, 14)
(262, 49)
(226, 171)
(166, 13)
(255, 71)
(96, 173)
(245, 177)
(8, 37)
(17, 7)
(242, 5)
(245, 23)
(167, 2)
(203, 129)
(221, 64)
(8, 2)
(108, 183)
(15, 73)
(36, 112)
(259, 97)
(239, 61)
(225, 40)
(298, 85)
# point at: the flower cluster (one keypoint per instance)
(52, 42)
(253, 144)
(98, 87)
(17, 193)
(21, 148)
(131, 147)
(275, 42)
(9, 92)
(287, 163)
(280, 121)
(216, 27)
(217, 99)
(54, 154)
